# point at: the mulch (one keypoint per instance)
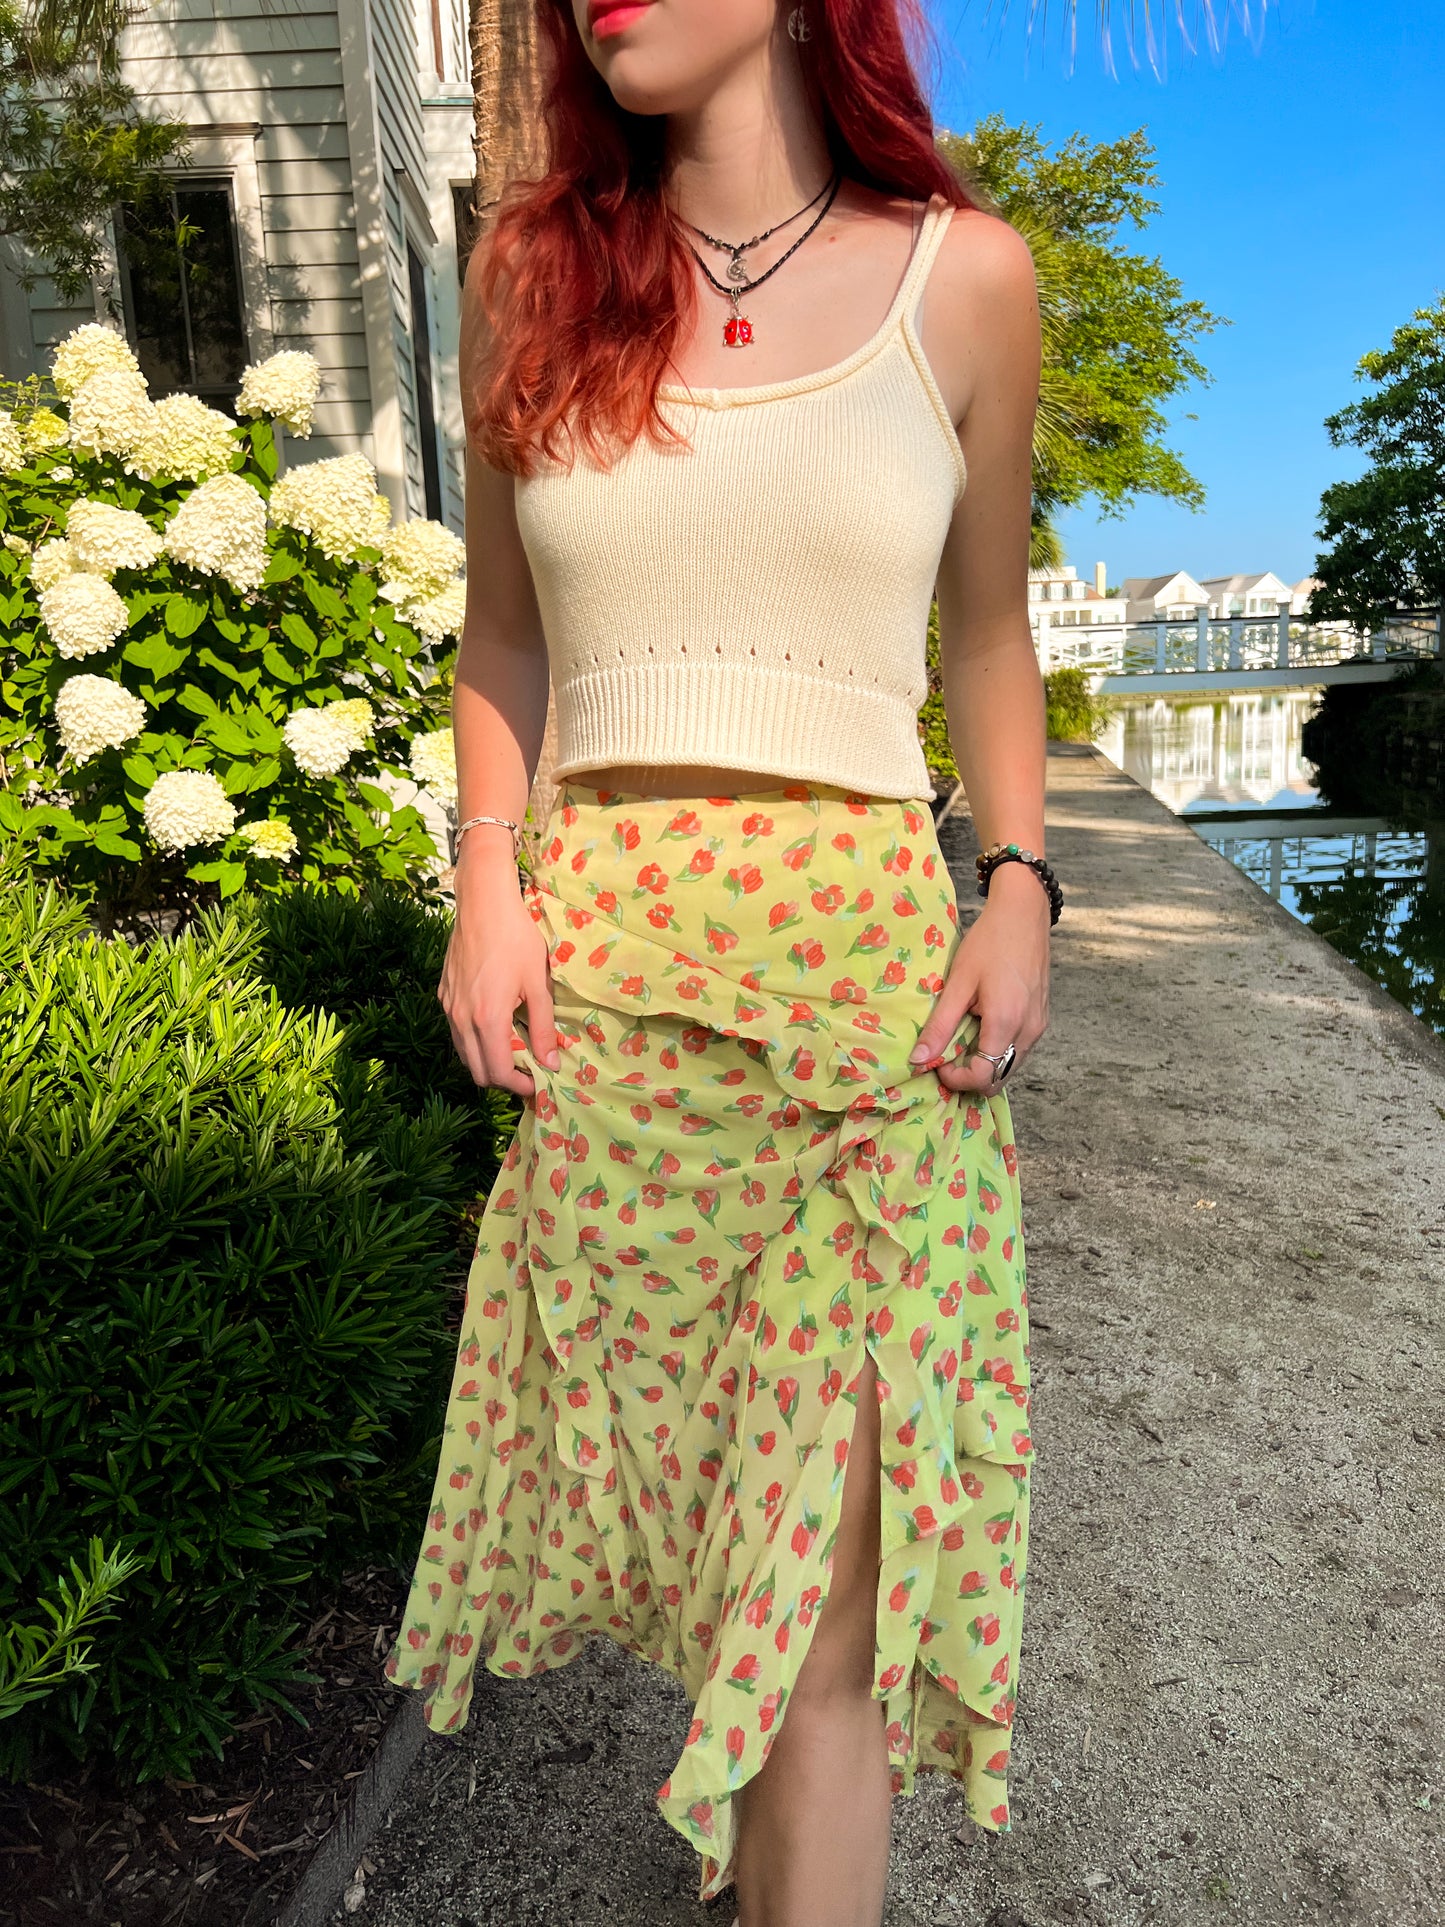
(227, 1848)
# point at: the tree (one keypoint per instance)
(1118, 332)
(509, 142)
(1386, 531)
(74, 141)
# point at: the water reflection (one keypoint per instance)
(1240, 751)
(1232, 767)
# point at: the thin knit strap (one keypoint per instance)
(930, 239)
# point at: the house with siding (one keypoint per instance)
(329, 189)
(1247, 595)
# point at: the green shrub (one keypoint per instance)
(227, 1238)
(210, 675)
(34, 1659)
(933, 718)
(378, 973)
(1073, 711)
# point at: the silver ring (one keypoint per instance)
(1002, 1064)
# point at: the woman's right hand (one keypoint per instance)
(496, 960)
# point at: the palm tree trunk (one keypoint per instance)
(509, 141)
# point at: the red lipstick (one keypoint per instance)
(609, 17)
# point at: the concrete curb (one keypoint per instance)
(329, 1872)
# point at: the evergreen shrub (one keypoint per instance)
(228, 1235)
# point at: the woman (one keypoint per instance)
(742, 1381)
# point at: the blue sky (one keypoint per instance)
(1302, 194)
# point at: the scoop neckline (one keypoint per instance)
(820, 377)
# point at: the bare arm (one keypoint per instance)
(497, 955)
(983, 336)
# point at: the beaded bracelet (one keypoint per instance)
(987, 861)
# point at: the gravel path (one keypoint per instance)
(1232, 1149)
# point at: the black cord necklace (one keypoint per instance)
(737, 329)
(736, 271)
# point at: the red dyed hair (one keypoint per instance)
(587, 280)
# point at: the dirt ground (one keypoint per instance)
(1232, 1149)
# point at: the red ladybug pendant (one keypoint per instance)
(737, 331)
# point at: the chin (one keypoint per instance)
(638, 85)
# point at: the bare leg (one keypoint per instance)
(814, 1821)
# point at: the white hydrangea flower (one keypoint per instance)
(43, 428)
(12, 443)
(434, 764)
(322, 740)
(51, 561)
(270, 837)
(335, 502)
(90, 350)
(184, 807)
(220, 529)
(111, 414)
(17, 545)
(104, 538)
(62, 474)
(83, 613)
(93, 713)
(188, 440)
(284, 385)
(420, 559)
(441, 616)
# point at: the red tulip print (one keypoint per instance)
(735, 1194)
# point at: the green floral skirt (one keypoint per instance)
(734, 1188)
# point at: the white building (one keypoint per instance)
(330, 177)
(1248, 595)
(1171, 598)
(1060, 598)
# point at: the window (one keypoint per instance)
(183, 299)
(426, 420)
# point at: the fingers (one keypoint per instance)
(949, 1011)
(540, 1022)
(975, 1072)
(487, 1039)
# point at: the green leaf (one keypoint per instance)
(263, 448)
(153, 652)
(298, 631)
(110, 844)
(227, 734)
(185, 614)
(199, 701)
(264, 774)
(276, 665)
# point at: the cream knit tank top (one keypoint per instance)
(758, 601)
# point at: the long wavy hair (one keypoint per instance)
(586, 280)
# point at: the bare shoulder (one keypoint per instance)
(981, 309)
(984, 259)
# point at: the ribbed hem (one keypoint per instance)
(742, 718)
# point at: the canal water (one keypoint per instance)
(1233, 769)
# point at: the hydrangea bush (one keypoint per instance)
(208, 670)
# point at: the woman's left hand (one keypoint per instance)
(1001, 971)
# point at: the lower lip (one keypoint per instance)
(616, 20)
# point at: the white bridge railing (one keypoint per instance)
(1224, 645)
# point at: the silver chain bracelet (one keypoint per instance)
(506, 823)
